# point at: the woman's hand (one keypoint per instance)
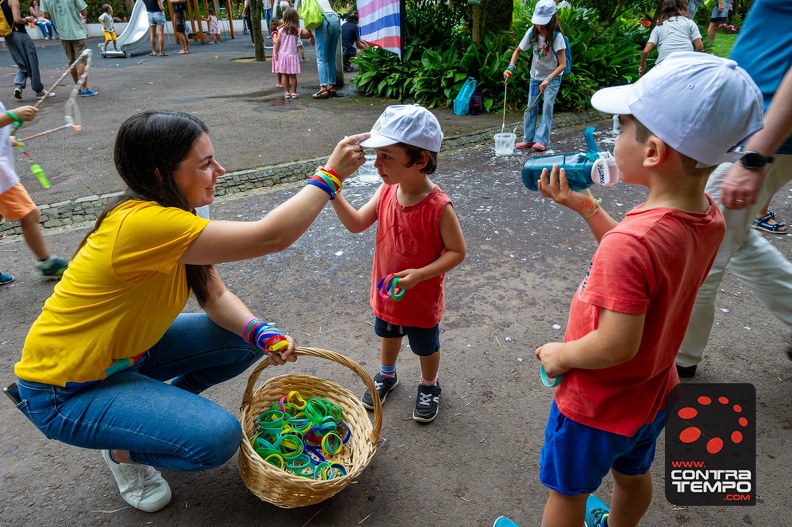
(347, 156)
(282, 357)
(557, 188)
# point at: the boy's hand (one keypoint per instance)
(557, 188)
(347, 156)
(25, 113)
(409, 278)
(549, 355)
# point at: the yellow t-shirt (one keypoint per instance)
(121, 292)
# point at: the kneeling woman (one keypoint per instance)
(95, 362)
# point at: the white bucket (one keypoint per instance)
(504, 144)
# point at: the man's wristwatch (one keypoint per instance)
(753, 160)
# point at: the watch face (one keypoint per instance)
(754, 160)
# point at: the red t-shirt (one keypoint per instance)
(652, 263)
(409, 238)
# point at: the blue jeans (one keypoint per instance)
(164, 425)
(267, 17)
(541, 135)
(46, 27)
(692, 7)
(327, 36)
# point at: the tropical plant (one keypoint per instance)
(437, 62)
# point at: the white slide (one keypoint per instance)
(135, 36)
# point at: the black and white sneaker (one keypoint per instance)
(18, 92)
(383, 385)
(427, 403)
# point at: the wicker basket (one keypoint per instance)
(282, 488)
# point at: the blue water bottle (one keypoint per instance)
(582, 169)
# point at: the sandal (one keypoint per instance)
(763, 224)
(321, 94)
(331, 92)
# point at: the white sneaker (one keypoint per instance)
(141, 486)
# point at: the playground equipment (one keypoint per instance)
(196, 22)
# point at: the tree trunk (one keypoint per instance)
(491, 15)
(255, 22)
(499, 14)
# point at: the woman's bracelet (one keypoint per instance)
(592, 211)
(332, 176)
(17, 121)
(318, 182)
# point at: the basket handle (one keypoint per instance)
(247, 398)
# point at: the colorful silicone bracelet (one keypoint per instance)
(546, 380)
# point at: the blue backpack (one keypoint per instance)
(567, 51)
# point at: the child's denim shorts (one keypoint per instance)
(423, 341)
(576, 457)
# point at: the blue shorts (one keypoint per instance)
(576, 457)
(157, 18)
(423, 341)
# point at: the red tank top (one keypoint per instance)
(409, 238)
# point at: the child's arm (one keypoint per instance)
(454, 241)
(615, 341)
(23, 113)
(698, 45)
(645, 55)
(582, 202)
(513, 62)
(356, 220)
(101, 21)
(275, 43)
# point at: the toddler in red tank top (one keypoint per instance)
(418, 240)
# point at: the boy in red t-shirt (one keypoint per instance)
(631, 310)
(418, 240)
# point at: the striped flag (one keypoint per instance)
(380, 24)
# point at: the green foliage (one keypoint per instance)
(95, 9)
(438, 59)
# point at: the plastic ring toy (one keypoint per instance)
(548, 381)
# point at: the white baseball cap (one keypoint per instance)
(543, 12)
(411, 124)
(698, 104)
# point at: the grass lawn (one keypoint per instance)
(723, 44)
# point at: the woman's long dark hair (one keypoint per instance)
(552, 26)
(149, 148)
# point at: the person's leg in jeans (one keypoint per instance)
(529, 120)
(546, 122)
(268, 17)
(334, 35)
(322, 42)
(164, 425)
(751, 258)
